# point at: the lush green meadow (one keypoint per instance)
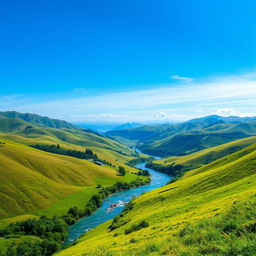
(200, 214)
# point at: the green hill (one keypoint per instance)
(32, 180)
(35, 182)
(30, 132)
(208, 155)
(39, 120)
(188, 137)
(209, 211)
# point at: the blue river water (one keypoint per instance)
(106, 212)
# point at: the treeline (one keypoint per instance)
(56, 149)
(95, 201)
(54, 231)
(171, 169)
(138, 160)
(143, 173)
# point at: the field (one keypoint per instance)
(41, 183)
(200, 214)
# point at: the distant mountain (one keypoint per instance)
(100, 127)
(188, 137)
(127, 126)
(39, 120)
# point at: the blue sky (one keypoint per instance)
(143, 61)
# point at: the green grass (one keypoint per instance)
(191, 216)
(37, 182)
(208, 155)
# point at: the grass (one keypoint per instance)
(37, 182)
(209, 211)
(208, 155)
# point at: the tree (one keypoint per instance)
(74, 212)
(121, 171)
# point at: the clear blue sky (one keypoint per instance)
(58, 50)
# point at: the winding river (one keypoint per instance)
(106, 212)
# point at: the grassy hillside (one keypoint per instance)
(188, 137)
(41, 183)
(208, 155)
(29, 133)
(209, 211)
(38, 120)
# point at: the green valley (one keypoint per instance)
(200, 214)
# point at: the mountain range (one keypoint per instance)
(187, 137)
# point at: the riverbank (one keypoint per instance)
(103, 214)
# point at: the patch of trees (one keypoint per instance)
(134, 227)
(143, 173)
(56, 149)
(96, 200)
(52, 231)
(171, 169)
(87, 154)
(138, 160)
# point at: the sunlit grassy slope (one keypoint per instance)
(209, 211)
(37, 131)
(32, 180)
(208, 155)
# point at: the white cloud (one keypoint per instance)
(182, 78)
(232, 112)
(234, 95)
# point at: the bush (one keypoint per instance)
(142, 224)
(121, 171)
(133, 240)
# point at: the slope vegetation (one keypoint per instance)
(208, 155)
(31, 179)
(209, 211)
(188, 137)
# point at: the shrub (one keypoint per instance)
(134, 227)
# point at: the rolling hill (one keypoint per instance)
(32, 179)
(208, 155)
(188, 137)
(40, 131)
(38, 120)
(209, 211)
(34, 182)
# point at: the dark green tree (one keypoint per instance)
(121, 171)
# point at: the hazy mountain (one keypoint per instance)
(186, 137)
(127, 126)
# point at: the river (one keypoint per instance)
(105, 213)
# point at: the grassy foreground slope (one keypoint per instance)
(209, 211)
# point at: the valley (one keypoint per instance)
(55, 172)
